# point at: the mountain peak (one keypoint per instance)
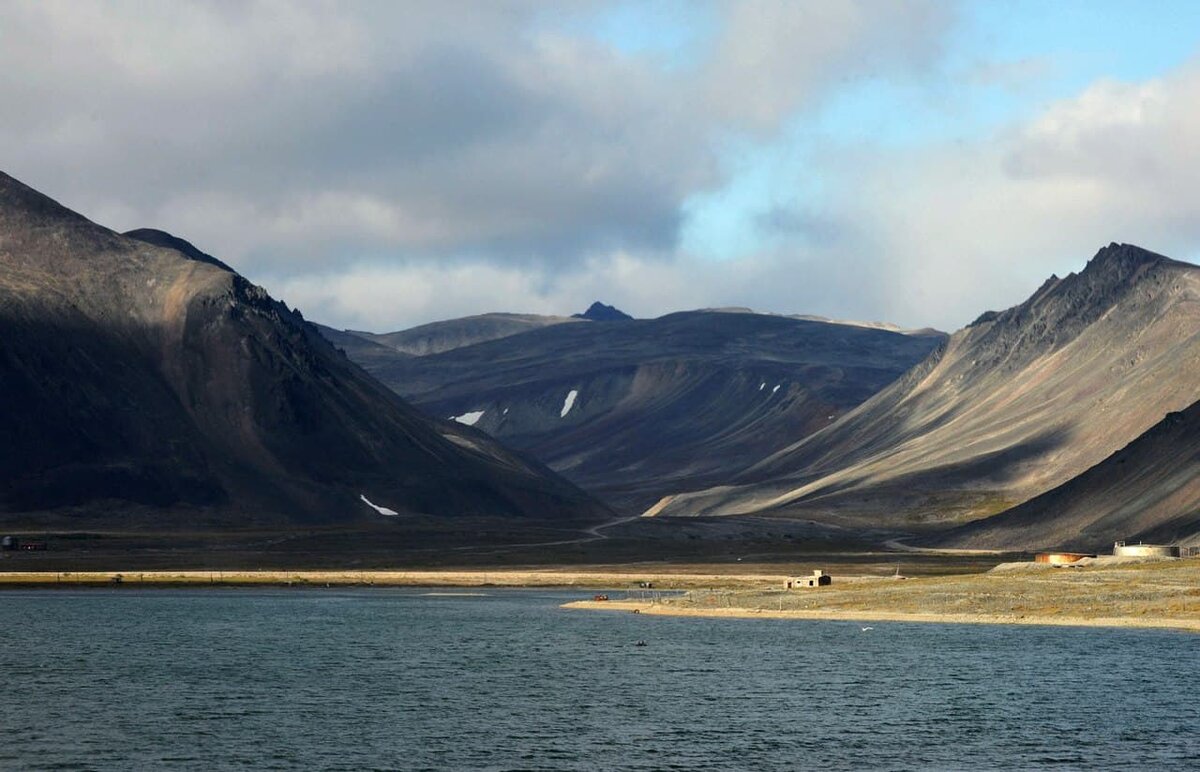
(1070, 303)
(599, 312)
(1123, 258)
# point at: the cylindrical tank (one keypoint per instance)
(1123, 550)
(1060, 558)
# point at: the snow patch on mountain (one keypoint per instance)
(377, 508)
(470, 419)
(568, 403)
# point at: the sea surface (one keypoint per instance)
(352, 679)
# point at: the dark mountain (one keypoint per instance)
(1149, 490)
(1012, 406)
(598, 312)
(630, 410)
(436, 337)
(143, 386)
(166, 240)
(361, 349)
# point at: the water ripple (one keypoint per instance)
(392, 679)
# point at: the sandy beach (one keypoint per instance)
(881, 615)
(1150, 595)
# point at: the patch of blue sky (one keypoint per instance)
(1003, 63)
(728, 223)
(1087, 38)
(676, 33)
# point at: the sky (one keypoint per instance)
(384, 164)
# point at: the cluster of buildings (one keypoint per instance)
(1121, 549)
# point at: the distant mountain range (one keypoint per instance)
(1013, 411)
(631, 409)
(144, 384)
(148, 386)
(436, 337)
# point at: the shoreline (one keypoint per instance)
(1161, 595)
(594, 579)
(841, 615)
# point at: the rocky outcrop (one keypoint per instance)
(599, 312)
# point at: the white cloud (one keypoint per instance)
(293, 135)
(966, 226)
(773, 56)
(385, 164)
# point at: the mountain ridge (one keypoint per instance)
(145, 388)
(683, 396)
(1014, 404)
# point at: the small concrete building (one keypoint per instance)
(818, 578)
(1139, 550)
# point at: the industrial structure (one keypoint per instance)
(1061, 558)
(1140, 550)
(818, 578)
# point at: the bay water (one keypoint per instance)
(349, 679)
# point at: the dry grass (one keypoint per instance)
(1165, 594)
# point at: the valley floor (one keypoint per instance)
(1161, 594)
(727, 546)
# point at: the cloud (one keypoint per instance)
(964, 226)
(774, 56)
(385, 164)
(389, 297)
(310, 139)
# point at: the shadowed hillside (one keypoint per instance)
(1149, 490)
(145, 386)
(436, 337)
(634, 408)
(1013, 405)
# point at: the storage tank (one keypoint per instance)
(1123, 550)
(1060, 558)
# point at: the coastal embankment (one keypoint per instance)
(599, 578)
(1162, 594)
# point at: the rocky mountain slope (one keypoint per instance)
(186, 248)
(145, 386)
(361, 348)
(436, 337)
(1012, 406)
(630, 409)
(1149, 490)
